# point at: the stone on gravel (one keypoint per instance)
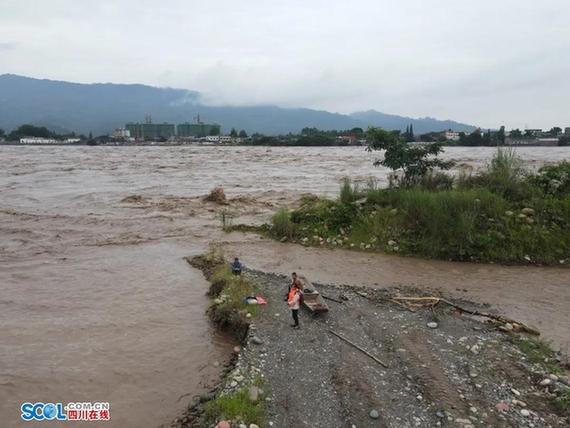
(237, 349)
(432, 325)
(440, 415)
(243, 426)
(525, 413)
(553, 377)
(545, 382)
(218, 301)
(253, 394)
(239, 378)
(216, 364)
(253, 426)
(223, 424)
(374, 414)
(233, 384)
(502, 406)
(256, 340)
(514, 391)
(248, 315)
(284, 239)
(509, 326)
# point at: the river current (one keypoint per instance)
(98, 304)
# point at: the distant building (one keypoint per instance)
(197, 129)
(534, 132)
(350, 139)
(122, 133)
(150, 130)
(39, 140)
(531, 141)
(225, 139)
(567, 130)
(213, 138)
(454, 136)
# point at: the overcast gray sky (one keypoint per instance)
(485, 62)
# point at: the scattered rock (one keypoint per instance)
(224, 424)
(237, 349)
(253, 394)
(239, 379)
(253, 426)
(527, 211)
(368, 246)
(502, 406)
(440, 415)
(432, 325)
(256, 340)
(284, 239)
(391, 243)
(545, 382)
(374, 414)
(509, 326)
(509, 213)
(218, 301)
(514, 391)
(525, 413)
(216, 364)
(248, 315)
(553, 377)
(233, 384)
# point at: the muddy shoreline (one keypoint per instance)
(460, 373)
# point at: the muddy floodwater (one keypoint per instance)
(98, 304)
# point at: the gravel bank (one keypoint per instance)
(443, 369)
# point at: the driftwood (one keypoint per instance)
(330, 298)
(434, 301)
(359, 348)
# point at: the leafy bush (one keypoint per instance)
(554, 180)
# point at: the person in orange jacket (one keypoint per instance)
(294, 302)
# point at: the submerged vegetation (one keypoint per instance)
(503, 213)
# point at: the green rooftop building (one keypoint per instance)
(151, 131)
(198, 129)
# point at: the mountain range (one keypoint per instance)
(100, 108)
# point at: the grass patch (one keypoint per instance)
(502, 214)
(227, 310)
(538, 351)
(235, 407)
(282, 226)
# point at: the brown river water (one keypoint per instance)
(98, 304)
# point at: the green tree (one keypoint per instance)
(555, 131)
(30, 131)
(515, 133)
(501, 136)
(414, 161)
(2, 133)
(242, 134)
(233, 133)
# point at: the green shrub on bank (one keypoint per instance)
(501, 214)
(554, 180)
(227, 310)
(282, 225)
(232, 407)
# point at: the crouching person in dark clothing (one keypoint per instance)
(236, 267)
